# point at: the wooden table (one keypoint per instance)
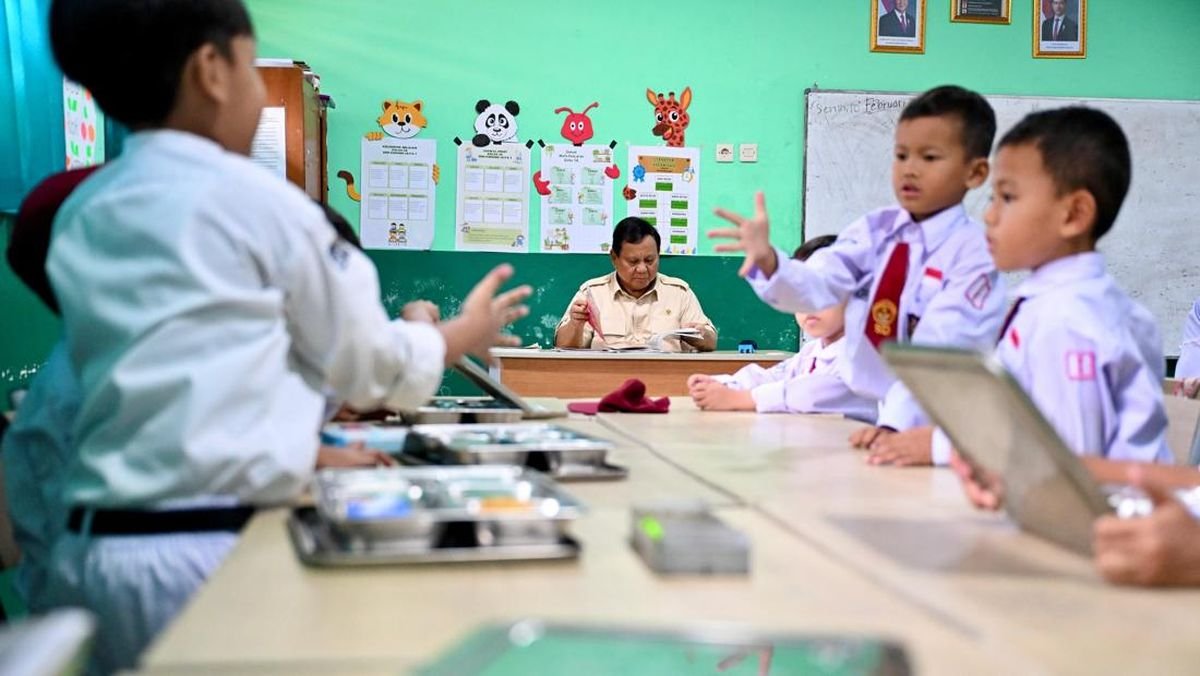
(592, 373)
(838, 546)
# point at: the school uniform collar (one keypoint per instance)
(172, 140)
(829, 352)
(1063, 272)
(933, 230)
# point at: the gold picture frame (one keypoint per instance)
(1072, 26)
(981, 11)
(892, 33)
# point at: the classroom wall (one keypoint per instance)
(748, 65)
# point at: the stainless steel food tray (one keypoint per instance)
(563, 453)
(451, 410)
(316, 545)
(412, 506)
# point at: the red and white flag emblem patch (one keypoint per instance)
(1081, 365)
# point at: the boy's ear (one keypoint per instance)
(208, 70)
(1080, 220)
(977, 172)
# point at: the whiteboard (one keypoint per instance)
(1153, 248)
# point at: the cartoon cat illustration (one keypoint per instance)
(400, 119)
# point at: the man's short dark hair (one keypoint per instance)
(1082, 149)
(812, 246)
(130, 53)
(972, 110)
(633, 230)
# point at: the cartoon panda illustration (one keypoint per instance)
(495, 123)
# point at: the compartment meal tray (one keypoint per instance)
(451, 410)
(562, 453)
(316, 545)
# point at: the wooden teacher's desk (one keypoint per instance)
(837, 547)
(594, 373)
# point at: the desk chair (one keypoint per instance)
(1183, 421)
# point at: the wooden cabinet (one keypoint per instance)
(295, 88)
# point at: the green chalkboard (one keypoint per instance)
(27, 331)
(445, 277)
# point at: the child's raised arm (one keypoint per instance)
(752, 236)
(485, 313)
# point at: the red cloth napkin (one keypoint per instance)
(628, 398)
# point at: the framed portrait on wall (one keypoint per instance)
(981, 11)
(898, 26)
(1060, 29)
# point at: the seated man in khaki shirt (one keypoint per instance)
(634, 301)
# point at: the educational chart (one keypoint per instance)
(664, 189)
(399, 193)
(577, 212)
(493, 198)
(82, 125)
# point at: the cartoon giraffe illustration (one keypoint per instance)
(670, 116)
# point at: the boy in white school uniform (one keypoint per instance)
(1188, 366)
(808, 382)
(1088, 355)
(206, 305)
(917, 271)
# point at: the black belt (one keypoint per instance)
(143, 522)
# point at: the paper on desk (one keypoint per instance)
(657, 341)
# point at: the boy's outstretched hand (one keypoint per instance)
(485, 313)
(712, 395)
(983, 489)
(1157, 550)
(865, 437)
(910, 448)
(752, 236)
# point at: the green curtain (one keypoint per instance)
(31, 101)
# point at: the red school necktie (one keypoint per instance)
(884, 317)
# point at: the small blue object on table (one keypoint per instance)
(747, 347)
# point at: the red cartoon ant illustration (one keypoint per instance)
(576, 128)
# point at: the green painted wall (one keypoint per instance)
(748, 64)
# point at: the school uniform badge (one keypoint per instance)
(883, 313)
(1081, 365)
(339, 253)
(979, 290)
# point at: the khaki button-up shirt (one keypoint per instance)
(628, 321)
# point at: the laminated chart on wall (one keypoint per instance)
(82, 126)
(664, 189)
(399, 193)
(577, 212)
(269, 147)
(492, 211)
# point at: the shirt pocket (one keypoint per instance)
(930, 285)
(662, 319)
(614, 322)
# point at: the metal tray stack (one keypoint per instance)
(561, 452)
(434, 514)
(451, 410)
